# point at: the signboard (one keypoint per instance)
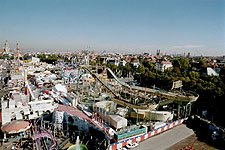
(177, 84)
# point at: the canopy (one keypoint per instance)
(16, 127)
(60, 88)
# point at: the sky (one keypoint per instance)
(125, 26)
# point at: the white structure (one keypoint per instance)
(70, 76)
(58, 115)
(35, 60)
(211, 72)
(135, 64)
(60, 88)
(12, 109)
(117, 121)
(87, 78)
(163, 116)
(122, 63)
(104, 108)
(163, 65)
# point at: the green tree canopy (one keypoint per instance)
(202, 64)
(181, 62)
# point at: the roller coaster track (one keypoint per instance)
(45, 134)
(117, 99)
(95, 76)
(115, 77)
(144, 107)
(172, 97)
(163, 94)
(169, 95)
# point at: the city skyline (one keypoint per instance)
(128, 26)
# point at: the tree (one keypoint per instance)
(211, 89)
(222, 74)
(141, 69)
(194, 75)
(49, 58)
(182, 63)
(177, 70)
(2, 57)
(133, 59)
(202, 64)
(148, 65)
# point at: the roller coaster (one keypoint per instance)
(169, 97)
(117, 99)
(186, 97)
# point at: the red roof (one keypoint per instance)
(166, 62)
(75, 112)
(72, 111)
(16, 126)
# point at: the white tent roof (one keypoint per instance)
(60, 88)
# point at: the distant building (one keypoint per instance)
(158, 53)
(135, 64)
(163, 65)
(211, 72)
(113, 61)
(122, 63)
(103, 60)
(35, 60)
(6, 49)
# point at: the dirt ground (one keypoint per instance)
(195, 143)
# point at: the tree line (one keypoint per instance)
(210, 88)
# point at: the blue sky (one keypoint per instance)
(134, 26)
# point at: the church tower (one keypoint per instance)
(6, 48)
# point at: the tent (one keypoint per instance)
(16, 127)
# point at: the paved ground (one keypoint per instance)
(176, 139)
(193, 142)
(165, 139)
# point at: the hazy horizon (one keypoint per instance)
(128, 26)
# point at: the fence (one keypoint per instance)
(145, 136)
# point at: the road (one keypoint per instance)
(165, 139)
